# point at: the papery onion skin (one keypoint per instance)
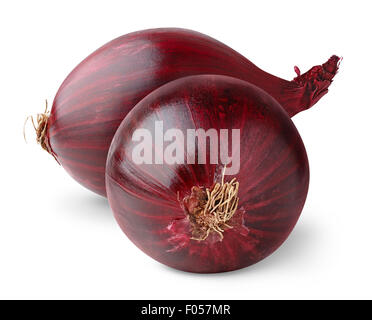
(274, 175)
(101, 90)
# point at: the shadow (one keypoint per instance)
(293, 252)
(86, 205)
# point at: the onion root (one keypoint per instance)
(41, 129)
(210, 209)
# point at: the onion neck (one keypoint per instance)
(303, 91)
(210, 209)
(313, 84)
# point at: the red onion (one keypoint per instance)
(102, 89)
(174, 211)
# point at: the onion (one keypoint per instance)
(101, 90)
(194, 216)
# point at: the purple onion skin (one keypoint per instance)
(102, 89)
(274, 175)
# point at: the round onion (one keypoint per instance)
(173, 211)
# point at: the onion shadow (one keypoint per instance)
(86, 205)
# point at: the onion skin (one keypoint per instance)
(102, 89)
(274, 175)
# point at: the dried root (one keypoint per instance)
(210, 209)
(41, 127)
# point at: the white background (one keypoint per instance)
(58, 240)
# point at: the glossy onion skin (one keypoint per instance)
(273, 176)
(102, 89)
